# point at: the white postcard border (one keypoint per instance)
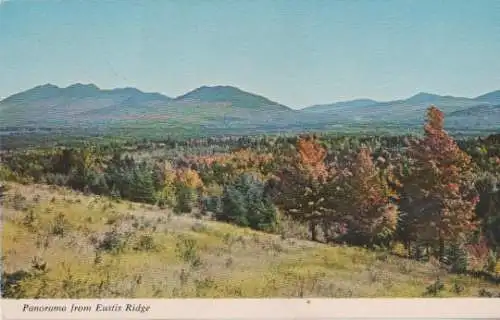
(211, 309)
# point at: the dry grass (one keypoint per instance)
(95, 248)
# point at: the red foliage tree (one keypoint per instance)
(439, 186)
(364, 204)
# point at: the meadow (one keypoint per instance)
(58, 243)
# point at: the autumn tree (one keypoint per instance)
(188, 187)
(364, 206)
(167, 194)
(300, 184)
(439, 187)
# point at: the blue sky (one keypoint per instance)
(296, 52)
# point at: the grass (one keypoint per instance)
(62, 244)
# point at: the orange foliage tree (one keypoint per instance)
(301, 183)
(439, 187)
(188, 188)
(364, 204)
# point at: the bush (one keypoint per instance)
(114, 241)
(435, 288)
(187, 250)
(19, 201)
(458, 258)
(399, 249)
(146, 243)
(59, 225)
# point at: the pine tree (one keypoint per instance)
(245, 203)
(143, 185)
(439, 186)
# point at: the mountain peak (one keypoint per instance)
(234, 96)
(216, 88)
(47, 86)
(423, 97)
(81, 86)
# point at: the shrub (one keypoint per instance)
(59, 225)
(19, 201)
(30, 219)
(187, 250)
(435, 288)
(399, 249)
(114, 241)
(146, 243)
(458, 258)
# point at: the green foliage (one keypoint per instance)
(146, 243)
(114, 241)
(60, 225)
(244, 203)
(185, 198)
(6, 174)
(435, 288)
(458, 258)
(142, 185)
(187, 250)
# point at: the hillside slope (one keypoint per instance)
(95, 248)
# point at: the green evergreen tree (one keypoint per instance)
(142, 185)
(244, 203)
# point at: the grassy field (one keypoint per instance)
(57, 243)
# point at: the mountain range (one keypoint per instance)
(228, 107)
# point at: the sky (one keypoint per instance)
(298, 53)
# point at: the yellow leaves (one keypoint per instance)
(169, 174)
(189, 178)
(391, 214)
(399, 249)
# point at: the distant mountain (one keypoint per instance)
(481, 110)
(232, 96)
(338, 105)
(491, 97)
(54, 104)
(216, 108)
(477, 117)
(407, 110)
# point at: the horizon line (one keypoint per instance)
(240, 88)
